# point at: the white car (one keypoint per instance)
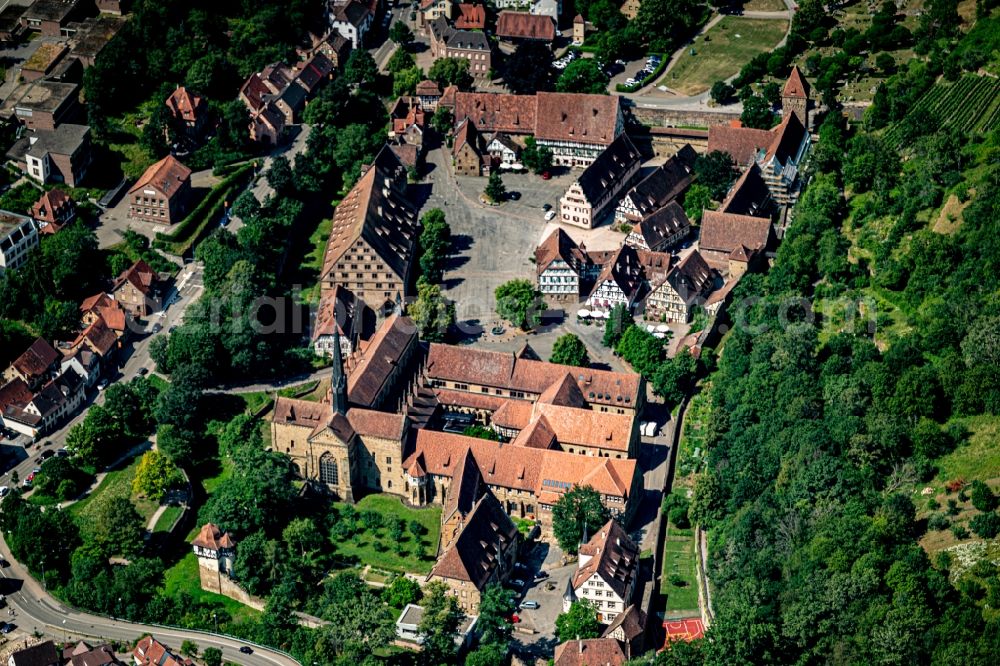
(4, 491)
(630, 82)
(550, 215)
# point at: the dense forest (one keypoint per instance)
(856, 366)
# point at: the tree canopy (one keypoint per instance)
(577, 510)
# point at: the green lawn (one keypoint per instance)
(117, 483)
(721, 52)
(312, 263)
(764, 6)
(161, 383)
(167, 518)
(377, 548)
(183, 577)
(980, 458)
(313, 391)
(692, 438)
(679, 559)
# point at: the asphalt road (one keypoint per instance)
(187, 289)
(38, 611)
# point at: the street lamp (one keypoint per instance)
(216, 620)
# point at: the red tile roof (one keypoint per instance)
(140, 275)
(589, 652)
(472, 17)
(577, 117)
(167, 176)
(796, 85)
(49, 208)
(723, 232)
(377, 424)
(742, 143)
(787, 139)
(374, 362)
(150, 652)
(558, 245)
(522, 25)
(428, 88)
(99, 337)
(487, 536)
(14, 394)
(212, 538)
(185, 105)
(36, 360)
(497, 112)
(614, 558)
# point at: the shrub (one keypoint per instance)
(960, 532)
(982, 497)
(986, 525)
(938, 522)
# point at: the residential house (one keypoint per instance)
(267, 126)
(473, 45)
(84, 363)
(92, 36)
(686, 285)
(104, 307)
(408, 121)
(342, 312)
(51, 405)
(43, 104)
(780, 164)
(589, 652)
(749, 195)
(598, 187)
(137, 289)
(621, 281)
(100, 339)
(344, 443)
(151, 652)
(515, 28)
(666, 183)
(661, 229)
(628, 629)
(274, 87)
(372, 242)
(630, 8)
(795, 96)
(471, 17)
(563, 269)
(188, 111)
(53, 211)
(431, 10)
(333, 45)
(61, 155)
(722, 234)
(408, 625)
(314, 71)
(352, 20)
(503, 151)
(51, 17)
(43, 60)
(116, 7)
(40, 654)
(11, 29)
(14, 396)
(428, 92)
(162, 193)
(482, 553)
(606, 571)
(82, 654)
(18, 237)
(35, 366)
(467, 151)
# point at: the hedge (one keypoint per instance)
(189, 230)
(621, 87)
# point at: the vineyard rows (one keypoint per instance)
(972, 104)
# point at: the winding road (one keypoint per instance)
(39, 611)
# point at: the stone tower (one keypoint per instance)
(216, 553)
(795, 96)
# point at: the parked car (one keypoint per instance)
(529, 604)
(246, 649)
(103, 384)
(45, 456)
(62, 453)
(541, 575)
(514, 196)
(517, 582)
(143, 372)
(546, 175)
(7, 628)
(4, 563)
(550, 215)
(4, 491)
(157, 327)
(547, 207)
(630, 81)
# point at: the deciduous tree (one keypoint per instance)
(520, 303)
(577, 509)
(570, 350)
(579, 622)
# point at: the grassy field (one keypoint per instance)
(117, 483)
(692, 438)
(313, 261)
(167, 518)
(980, 458)
(764, 6)
(377, 547)
(255, 401)
(721, 52)
(679, 560)
(183, 577)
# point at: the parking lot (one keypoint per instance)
(536, 631)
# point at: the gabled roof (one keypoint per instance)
(577, 117)
(14, 394)
(313, 71)
(742, 143)
(585, 427)
(466, 134)
(522, 25)
(662, 224)
(381, 215)
(428, 88)
(631, 624)
(185, 105)
(723, 232)
(36, 360)
(613, 556)
(374, 361)
(108, 309)
(386, 425)
(665, 183)
(475, 554)
(255, 91)
(50, 204)
(788, 137)
(690, 278)
(99, 337)
(340, 310)
(352, 12)
(625, 271)
(537, 435)
(466, 488)
(565, 392)
(749, 195)
(796, 85)
(212, 538)
(611, 167)
(140, 275)
(167, 176)
(589, 652)
(558, 245)
(41, 654)
(496, 112)
(471, 17)
(150, 652)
